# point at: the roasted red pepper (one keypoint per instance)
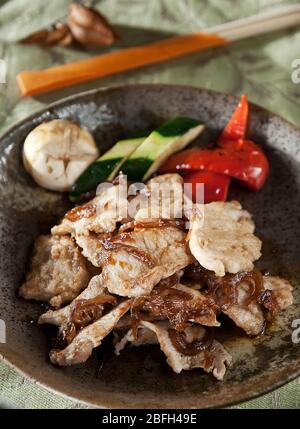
(245, 162)
(234, 156)
(215, 185)
(237, 126)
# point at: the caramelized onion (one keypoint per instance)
(184, 347)
(141, 255)
(83, 312)
(224, 290)
(173, 304)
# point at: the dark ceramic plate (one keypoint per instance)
(140, 377)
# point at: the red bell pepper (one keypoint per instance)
(245, 162)
(215, 185)
(237, 126)
(234, 155)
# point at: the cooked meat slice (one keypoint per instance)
(126, 321)
(58, 271)
(89, 338)
(170, 179)
(223, 240)
(205, 309)
(62, 316)
(214, 359)
(99, 215)
(129, 270)
(248, 316)
(179, 304)
(125, 275)
(91, 248)
(165, 199)
(278, 294)
(144, 337)
(138, 260)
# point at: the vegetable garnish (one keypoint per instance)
(234, 156)
(215, 185)
(237, 126)
(170, 137)
(106, 167)
(246, 163)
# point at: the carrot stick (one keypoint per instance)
(38, 82)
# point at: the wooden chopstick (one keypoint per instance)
(41, 81)
(256, 25)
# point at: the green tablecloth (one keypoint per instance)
(261, 67)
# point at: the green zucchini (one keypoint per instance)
(106, 167)
(171, 137)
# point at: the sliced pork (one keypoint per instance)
(165, 199)
(179, 304)
(100, 215)
(138, 260)
(58, 271)
(214, 358)
(89, 338)
(223, 240)
(278, 294)
(140, 274)
(275, 296)
(144, 337)
(62, 316)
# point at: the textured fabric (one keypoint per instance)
(261, 67)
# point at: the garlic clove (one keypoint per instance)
(55, 153)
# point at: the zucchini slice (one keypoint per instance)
(170, 137)
(106, 167)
